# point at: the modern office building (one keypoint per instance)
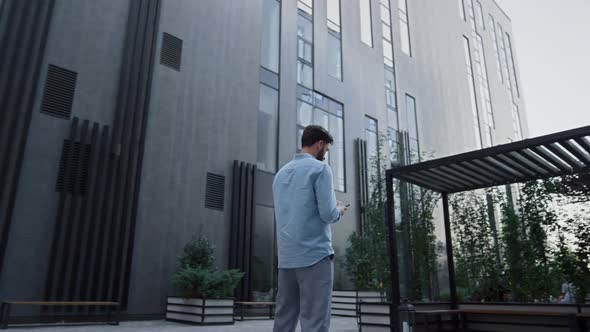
(128, 126)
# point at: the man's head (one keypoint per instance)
(316, 141)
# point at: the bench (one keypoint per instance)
(438, 313)
(582, 319)
(112, 320)
(240, 306)
(573, 320)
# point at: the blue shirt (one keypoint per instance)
(305, 206)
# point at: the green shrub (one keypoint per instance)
(196, 276)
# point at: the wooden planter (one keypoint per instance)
(200, 311)
(345, 303)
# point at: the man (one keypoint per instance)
(305, 207)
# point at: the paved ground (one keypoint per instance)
(338, 325)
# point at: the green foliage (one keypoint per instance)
(474, 248)
(366, 259)
(198, 252)
(199, 282)
(196, 277)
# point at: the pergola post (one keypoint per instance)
(450, 260)
(392, 250)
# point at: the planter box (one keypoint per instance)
(374, 317)
(345, 303)
(200, 311)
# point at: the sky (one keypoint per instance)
(552, 42)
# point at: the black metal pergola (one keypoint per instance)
(558, 154)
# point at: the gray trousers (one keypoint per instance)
(305, 293)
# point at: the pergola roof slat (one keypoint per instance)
(583, 142)
(448, 179)
(543, 152)
(558, 154)
(541, 162)
(563, 155)
(576, 151)
(521, 159)
(489, 174)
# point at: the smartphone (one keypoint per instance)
(347, 205)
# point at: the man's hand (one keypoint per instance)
(343, 209)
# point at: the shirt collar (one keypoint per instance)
(303, 155)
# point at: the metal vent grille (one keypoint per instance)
(215, 193)
(171, 51)
(59, 92)
(73, 168)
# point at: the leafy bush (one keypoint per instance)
(197, 278)
(197, 282)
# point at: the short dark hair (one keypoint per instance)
(313, 134)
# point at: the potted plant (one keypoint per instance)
(205, 294)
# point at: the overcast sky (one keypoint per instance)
(552, 41)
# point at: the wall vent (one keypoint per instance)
(215, 193)
(171, 51)
(59, 92)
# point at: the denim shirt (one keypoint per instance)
(305, 206)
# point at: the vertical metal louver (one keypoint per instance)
(73, 168)
(58, 96)
(215, 191)
(171, 51)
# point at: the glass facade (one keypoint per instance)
(305, 43)
(512, 65)
(496, 48)
(390, 83)
(264, 267)
(269, 46)
(366, 22)
(411, 127)
(404, 27)
(372, 139)
(472, 95)
(267, 128)
(315, 108)
(334, 40)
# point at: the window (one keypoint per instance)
(267, 128)
(462, 10)
(479, 12)
(496, 48)
(504, 59)
(390, 98)
(472, 95)
(371, 137)
(516, 122)
(484, 89)
(334, 40)
(263, 254)
(269, 47)
(512, 63)
(334, 15)
(314, 108)
(412, 128)
(304, 75)
(305, 43)
(366, 25)
(404, 27)
(390, 84)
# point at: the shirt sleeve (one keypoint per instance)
(325, 196)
